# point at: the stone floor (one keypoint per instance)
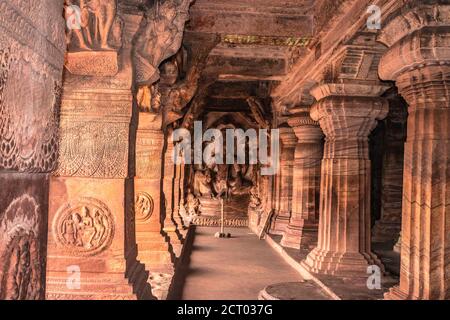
(237, 268)
(349, 288)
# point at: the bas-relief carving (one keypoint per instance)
(93, 149)
(143, 206)
(159, 38)
(93, 36)
(84, 227)
(21, 273)
(99, 26)
(28, 135)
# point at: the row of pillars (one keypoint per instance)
(330, 180)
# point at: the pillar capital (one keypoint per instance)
(348, 89)
(417, 37)
(305, 128)
(288, 137)
(347, 116)
(418, 59)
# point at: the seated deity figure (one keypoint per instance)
(202, 183)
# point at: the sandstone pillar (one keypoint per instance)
(347, 114)
(387, 228)
(302, 229)
(32, 51)
(418, 60)
(171, 222)
(154, 249)
(283, 184)
(91, 242)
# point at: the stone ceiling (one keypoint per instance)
(258, 40)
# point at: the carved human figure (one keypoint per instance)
(239, 182)
(69, 230)
(87, 227)
(82, 32)
(202, 183)
(255, 200)
(192, 204)
(160, 37)
(104, 12)
(99, 226)
(78, 229)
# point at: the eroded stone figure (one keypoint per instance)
(192, 204)
(104, 12)
(202, 183)
(81, 31)
(96, 20)
(159, 38)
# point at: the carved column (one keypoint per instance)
(347, 113)
(418, 60)
(153, 248)
(302, 229)
(387, 229)
(283, 185)
(91, 235)
(171, 223)
(32, 50)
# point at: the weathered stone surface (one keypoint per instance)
(283, 204)
(387, 229)
(302, 229)
(91, 210)
(418, 58)
(31, 61)
(92, 63)
(344, 228)
(23, 230)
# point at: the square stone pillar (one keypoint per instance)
(154, 249)
(283, 184)
(91, 232)
(302, 229)
(32, 51)
(347, 113)
(418, 60)
(172, 223)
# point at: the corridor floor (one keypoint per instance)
(236, 268)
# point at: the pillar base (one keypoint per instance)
(340, 264)
(154, 252)
(396, 294)
(280, 224)
(300, 236)
(110, 286)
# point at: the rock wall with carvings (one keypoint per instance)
(32, 50)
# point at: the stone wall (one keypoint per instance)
(32, 50)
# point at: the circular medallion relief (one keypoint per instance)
(143, 206)
(85, 227)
